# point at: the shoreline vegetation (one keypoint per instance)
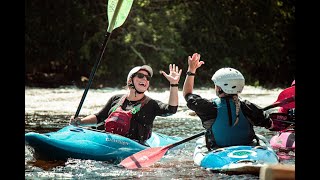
(45, 80)
(63, 39)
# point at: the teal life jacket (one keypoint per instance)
(224, 130)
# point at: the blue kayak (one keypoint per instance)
(81, 143)
(235, 159)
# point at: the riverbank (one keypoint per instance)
(53, 80)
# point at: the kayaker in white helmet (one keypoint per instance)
(132, 114)
(228, 120)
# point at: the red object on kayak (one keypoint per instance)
(286, 93)
(285, 99)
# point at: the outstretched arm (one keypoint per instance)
(173, 77)
(193, 64)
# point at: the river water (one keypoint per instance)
(48, 110)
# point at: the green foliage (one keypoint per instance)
(257, 37)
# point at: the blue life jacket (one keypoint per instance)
(226, 133)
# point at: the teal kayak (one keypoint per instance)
(235, 159)
(80, 143)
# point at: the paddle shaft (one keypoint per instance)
(149, 156)
(289, 122)
(285, 101)
(185, 140)
(92, 129)
(96, 64)
(94, 69)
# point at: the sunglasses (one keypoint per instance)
(140, 75)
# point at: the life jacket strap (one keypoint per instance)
(136, 108)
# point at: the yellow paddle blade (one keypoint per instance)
(117, 11)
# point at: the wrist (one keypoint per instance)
(189, 73)
(174, 85)
(192, 70)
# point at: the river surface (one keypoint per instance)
(48, 110)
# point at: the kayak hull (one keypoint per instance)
(80, 143)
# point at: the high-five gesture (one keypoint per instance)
(194, 62)
(174, 75)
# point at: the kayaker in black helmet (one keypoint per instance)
(132, 114)
(228, 120)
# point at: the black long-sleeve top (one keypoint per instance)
(207, 111)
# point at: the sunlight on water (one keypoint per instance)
(48, 110)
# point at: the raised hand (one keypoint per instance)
(194, 62)
(174, 75)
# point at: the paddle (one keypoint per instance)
(149, 156)
(286, 99)
(117, 14)
(289, 122)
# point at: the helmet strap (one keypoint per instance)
(131, 85)
(220, 91)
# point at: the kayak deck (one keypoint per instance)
(235, 159)
(80, 143)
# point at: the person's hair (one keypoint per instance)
(237, 103)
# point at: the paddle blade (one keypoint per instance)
(287, 93)
(144, 158)
(280, 103)
(149, 156)
(286, 99)
(117, 11)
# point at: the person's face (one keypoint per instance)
(141, 80)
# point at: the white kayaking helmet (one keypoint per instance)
(138, 68)
(230, 80)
